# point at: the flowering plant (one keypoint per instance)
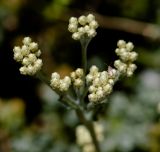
(74, 89)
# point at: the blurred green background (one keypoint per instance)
(31, 118)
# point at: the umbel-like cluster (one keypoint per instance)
(28, 55)
(73, 89)
(98, 84)
(83, 26)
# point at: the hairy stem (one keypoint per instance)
(90, 127)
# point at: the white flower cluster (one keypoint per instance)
(60, 84)
(77, 77)
(28, 55)
(127, 57)
(88, 26)
(84, 138)
(101, 83)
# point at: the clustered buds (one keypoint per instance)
(77, 77)
(101, 83)
(84, 138)
(28, 55)
(59, 84)
(88, 26)
(97, 84)
(125, 64)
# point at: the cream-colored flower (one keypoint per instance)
(28, 55)
(84, 25)
(100, 83)
(77, 77)
(59, 84)
(125, 64)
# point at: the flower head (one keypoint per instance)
(84, 25)
(59, 84)
(125, 64)
(101, 83)
(77, 77)
(28, 55)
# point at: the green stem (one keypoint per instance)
(42, 76)
(84, 44)
(69, 101)
(90, 127)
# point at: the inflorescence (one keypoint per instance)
(28, 55)
(73, 89)
(58, 84)
(77, 77)
(99, 84)
(125, 64)
(88, 26)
